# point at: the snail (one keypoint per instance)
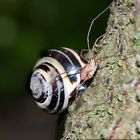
(61, 74)
(56, 78)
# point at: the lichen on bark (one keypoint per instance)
(110, 108)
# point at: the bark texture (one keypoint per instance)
(110, 108)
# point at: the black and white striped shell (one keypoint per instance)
(55, 78)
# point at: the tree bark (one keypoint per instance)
(110, 108)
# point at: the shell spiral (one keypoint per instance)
(55, 78)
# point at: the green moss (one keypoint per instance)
(110, 102)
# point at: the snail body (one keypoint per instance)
(55, 79)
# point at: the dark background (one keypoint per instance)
(26, 28)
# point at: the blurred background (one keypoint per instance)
(27, 27)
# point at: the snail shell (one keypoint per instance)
(55, 79)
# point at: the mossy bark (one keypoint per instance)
(110, 108)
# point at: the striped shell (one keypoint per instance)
(55, 79)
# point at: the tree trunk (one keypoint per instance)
(110, 108)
